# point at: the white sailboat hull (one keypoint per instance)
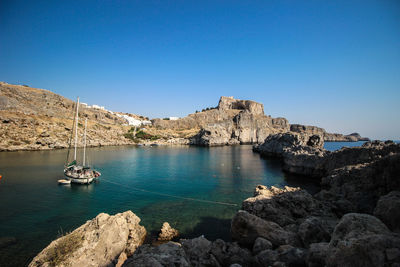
(81, 180)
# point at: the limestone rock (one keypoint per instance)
(246, 228)
(363, 240)
(231, 253)
(314, 230)
(98, 242)
(363, 184)
(227, 103)
(167, 233)
(328, 137)
(261, 244)
(192, 252)
(388, 210)
(240, 122)
(168, 254)
(267, 257)
(199, 252)
(282, 206)
(292, 256)
(316, 254)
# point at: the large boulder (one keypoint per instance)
(314, 230)
(282, 206)
(98, 242)
(317, 254)
(363, 240)
(246, 228)
(231, 253)
(168, 254)
(388, 210)
(199, 252)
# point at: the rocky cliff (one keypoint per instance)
(246, 124)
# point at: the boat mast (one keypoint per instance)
(84, 146)
(76, 128)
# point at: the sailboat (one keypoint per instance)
(80, 174)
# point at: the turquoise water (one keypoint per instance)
(35, 210)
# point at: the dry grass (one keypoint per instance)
(63, 248)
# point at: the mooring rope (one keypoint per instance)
(169, 195)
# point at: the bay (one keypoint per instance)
(177, 184)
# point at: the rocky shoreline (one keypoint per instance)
(351, 221)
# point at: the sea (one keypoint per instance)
(196, 189)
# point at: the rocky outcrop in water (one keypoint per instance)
(99, 242)
(328, 137)
(302, 154)
(167, 233)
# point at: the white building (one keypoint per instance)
(173, 118)
(132, 121)
(98, 107)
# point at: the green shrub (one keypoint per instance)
(140, 135)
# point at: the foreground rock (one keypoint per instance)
(98, 242)
(193, 252)
(289, 227)
(388, 210)
(246, 228)
(363, 240)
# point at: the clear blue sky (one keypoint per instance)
(334, 64)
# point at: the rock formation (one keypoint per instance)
(328, 137)
(37, 119)
(99, 242)
(167, 233)
(248, 125)
(303, 154)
